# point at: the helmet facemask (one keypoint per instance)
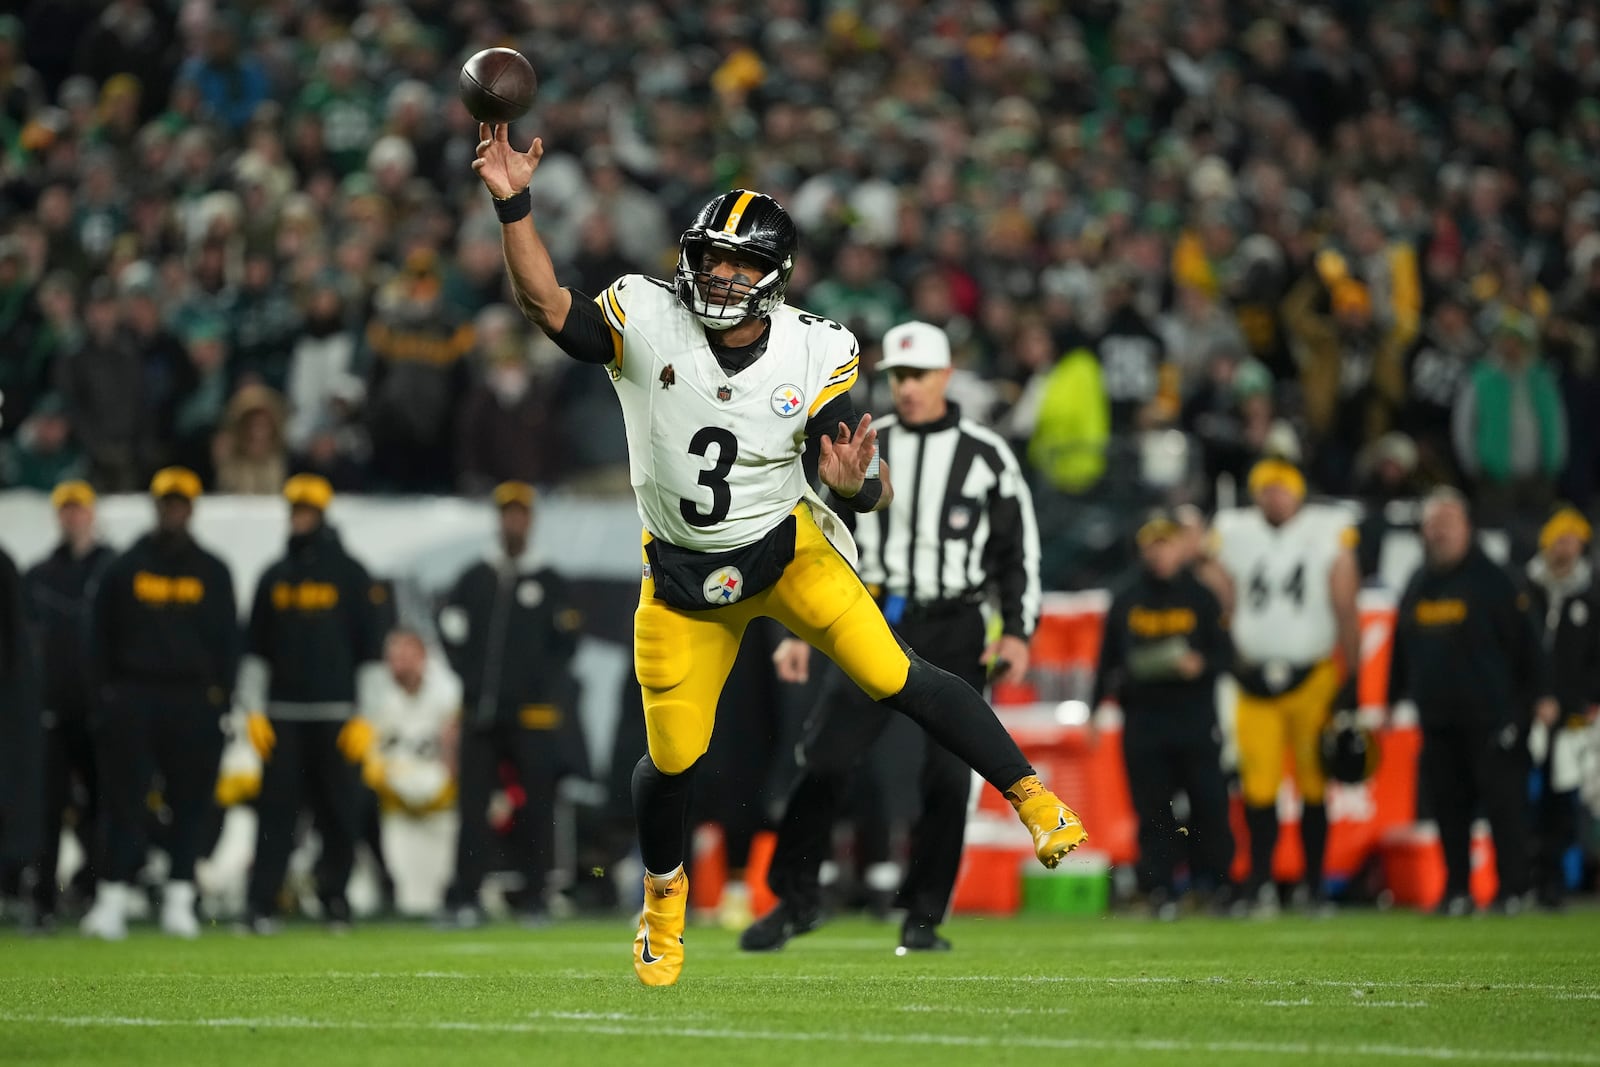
(719, 303)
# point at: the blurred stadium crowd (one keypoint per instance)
(1165, 239)
(246, 237)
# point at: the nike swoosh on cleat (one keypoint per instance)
(1062, 825)
(644, 953)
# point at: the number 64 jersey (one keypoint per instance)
(715, 458)
(1283, 605)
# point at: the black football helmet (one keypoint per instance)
(744, 221)
(1349, 751)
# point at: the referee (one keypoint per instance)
(960, 529)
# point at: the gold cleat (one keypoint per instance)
(1056, 828)
(658, 946)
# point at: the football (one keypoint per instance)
(498, 85)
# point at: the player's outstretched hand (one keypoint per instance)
(845, 458)
(504, 170)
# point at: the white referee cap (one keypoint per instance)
(916, 346)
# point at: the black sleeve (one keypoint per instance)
(258, 637)
(1398, 652)
(585, 336)
(1518, 633)
(840, 409)
(1013, 551)
(565, 614)
(1591, 692)
(226, 640)
(1107, 674)
(1211, 637)
(13, 627)
(365, 635)
(809, 460)
(99, 629)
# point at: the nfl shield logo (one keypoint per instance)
(724, 586)
(724, 393)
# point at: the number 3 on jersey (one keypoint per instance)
(714, 479)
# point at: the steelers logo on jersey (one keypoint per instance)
(787, 401)
(724, 587)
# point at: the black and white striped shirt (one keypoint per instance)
(961, 524)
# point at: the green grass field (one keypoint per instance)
(1356, 989)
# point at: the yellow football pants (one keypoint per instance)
(1266, 725)
(683, 658)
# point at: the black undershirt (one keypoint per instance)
(734, 359)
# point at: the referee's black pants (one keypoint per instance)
(1166, 751)
(306, 766)
(1466, 769)
(137, 732)
(842, 726)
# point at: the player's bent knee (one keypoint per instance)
(661, 656)
(865, 649)
(676, 732)
(1259, 788)
(1313, 787)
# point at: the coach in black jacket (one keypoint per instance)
(1163, 647)
(313, 629)
(510, 632)
(1466, 653)
(164, 636)
(1566, 608)
(58, 589)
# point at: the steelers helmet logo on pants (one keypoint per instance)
(724, 586)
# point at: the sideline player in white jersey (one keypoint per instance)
(416, 716)
(1292, 578)
(727, 393)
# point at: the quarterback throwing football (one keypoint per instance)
(729, 395)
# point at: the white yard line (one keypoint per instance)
(1557, 990)
(563, 1023)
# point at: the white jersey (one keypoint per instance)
(715, 458)
(409, 728)
(1283, 606)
